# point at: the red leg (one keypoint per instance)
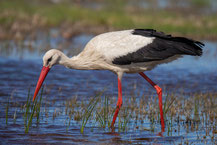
(159, 92)
(119, 103)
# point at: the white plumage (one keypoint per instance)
(114, 44)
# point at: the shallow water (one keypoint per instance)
(20, 65)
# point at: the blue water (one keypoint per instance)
(20, 68)
(21, 63)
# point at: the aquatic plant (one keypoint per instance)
(27, 107)
(185, 113)
(31, 108)
(38, 107)
(124, 120)
(29, 123)
(102, 114)
(15, 115)
(6, 112)
(88, 111)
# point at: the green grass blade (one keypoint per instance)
(28, 103)
(6, 112)
(99, 118)
(88, 112)
(39, 106)
(34, 106)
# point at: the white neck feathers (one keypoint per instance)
(81, 62)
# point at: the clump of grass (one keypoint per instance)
(104, 112)
(135, 112)
(196, 109)
(70, 118)
(92, 104)
(168, 103)
(31, 116)
(31, 108)
(124, 120)
(102, 117)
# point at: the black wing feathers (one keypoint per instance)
(195, 46)
(163, 47)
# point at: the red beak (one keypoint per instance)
(42, 76)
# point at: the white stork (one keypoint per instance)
(128, 51)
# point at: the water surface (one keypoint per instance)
(21, 63)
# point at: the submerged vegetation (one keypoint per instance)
(140, 114)
(22, 17)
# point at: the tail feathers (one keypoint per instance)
(187, 46)
(195, 47)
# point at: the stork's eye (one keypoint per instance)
(49, 59)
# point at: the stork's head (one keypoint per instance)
(50, 58)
